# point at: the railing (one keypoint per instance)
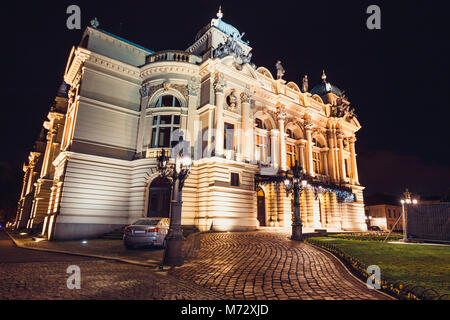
(173, 55)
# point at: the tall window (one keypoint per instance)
(316, 163)
(261, 148)
(162, 129)
(167, 101)
(228, 136)
(290, 155)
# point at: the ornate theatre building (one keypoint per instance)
(93, 168)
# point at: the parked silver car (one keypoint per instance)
(146, 232)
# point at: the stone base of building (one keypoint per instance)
(81, 231)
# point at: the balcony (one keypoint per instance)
(173, 55)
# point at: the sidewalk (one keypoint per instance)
(99, 248)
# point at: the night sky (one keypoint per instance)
(396, 78)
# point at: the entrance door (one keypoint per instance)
(159, 198)
(261, 208)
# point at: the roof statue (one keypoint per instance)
(219, 13)
(280, 70)
(94, 23)
(305, 83)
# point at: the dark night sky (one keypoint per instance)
(396, 77)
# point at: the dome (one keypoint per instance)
(325, 88)
(226, 28)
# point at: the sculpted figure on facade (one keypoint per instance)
(280, 70)
(232, 47)
(305, 83)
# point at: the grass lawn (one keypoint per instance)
(424, 265)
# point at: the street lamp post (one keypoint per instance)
(176, 173)
(296, 184)
(406, 200)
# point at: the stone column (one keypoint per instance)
(246, 132)
(274, 147)
(193, 89)
(210, 131)
(309, 161)
(144, 91)
(219, 87)
(281, 117)
(340, 137)
(352, 141)
(331, 157)
(302, 155)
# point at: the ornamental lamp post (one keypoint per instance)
(176, 173)
(406, 200)
(295, 184)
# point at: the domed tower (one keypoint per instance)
(328, 92)
(216, 34)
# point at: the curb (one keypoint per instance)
(349, 272)
(17, 244)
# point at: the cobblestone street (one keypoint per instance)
(28, 274)
(245, 265)
(267, 265)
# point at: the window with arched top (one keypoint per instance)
(291, 134)
(260, 124)
(261, 141)
(167, 100)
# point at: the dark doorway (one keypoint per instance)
(261, 208)
(159, 198)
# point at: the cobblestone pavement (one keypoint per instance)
(267, 265)
(28, 274)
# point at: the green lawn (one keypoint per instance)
(412, 264)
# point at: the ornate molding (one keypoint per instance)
(193, 88)
(245, 97)
(181, 88)
(220, 83)
(307, 123)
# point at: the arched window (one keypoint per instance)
(291, 134)
(259, 123)
(167, 101)
(261, 141)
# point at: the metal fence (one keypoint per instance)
(429, 221)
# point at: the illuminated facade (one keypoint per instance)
(125, 103)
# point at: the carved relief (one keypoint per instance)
(231, 101)
(181, 88)
(220, 83)
(193, 88)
